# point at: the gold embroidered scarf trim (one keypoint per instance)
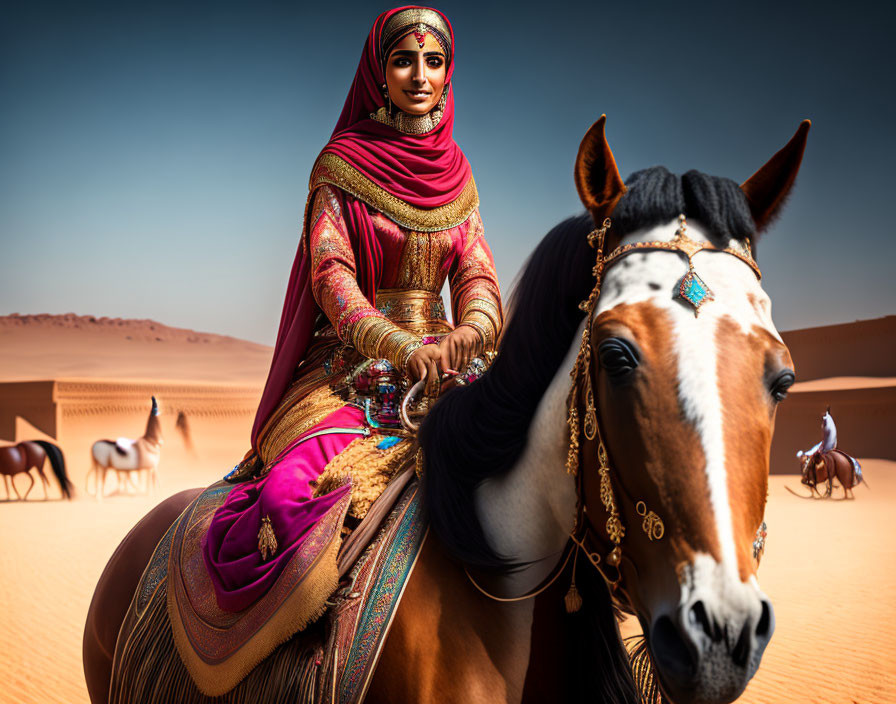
(293, 417)
(335, 171)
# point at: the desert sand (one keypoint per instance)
(828, 570)
(828, 565)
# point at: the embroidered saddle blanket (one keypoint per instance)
(177, 645)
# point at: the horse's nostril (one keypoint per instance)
(765, 620)
(672, 653)
(741, 652)
(699, 616)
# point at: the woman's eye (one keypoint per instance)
(401, 62)
(434, 62)
(781, 385)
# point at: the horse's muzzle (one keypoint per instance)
(708, 650)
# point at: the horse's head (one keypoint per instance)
(686, 394)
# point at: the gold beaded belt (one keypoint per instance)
(419, 312)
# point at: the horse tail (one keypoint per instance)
(57, 462)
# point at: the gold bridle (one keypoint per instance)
(582, 419)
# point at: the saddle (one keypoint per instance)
(828, 461)
(177, 645)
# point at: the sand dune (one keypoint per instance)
(54, 346)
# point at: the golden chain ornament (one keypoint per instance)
(652, 524)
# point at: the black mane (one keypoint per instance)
(479, 431)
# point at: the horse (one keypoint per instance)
(31, 454)
(824, 467)
(639, 485)
(127, 456)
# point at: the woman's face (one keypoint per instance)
(415, 76)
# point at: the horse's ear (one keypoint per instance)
(767, 189)
(597, 178)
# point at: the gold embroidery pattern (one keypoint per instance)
(337, 172)
(404, 20)
(420, 312)
(300, 418)
(474, 287)
(369, 467)
(421, 260)
(336, 290)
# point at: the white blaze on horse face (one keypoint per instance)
(653, 276)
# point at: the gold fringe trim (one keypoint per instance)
(304, 606)
(149, 669)
(331, 169)
(369, 468)
(299, 419)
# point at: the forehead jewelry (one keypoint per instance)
(420, 33)
(691, 288)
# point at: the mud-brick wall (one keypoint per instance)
(76, 413)
(865, 418)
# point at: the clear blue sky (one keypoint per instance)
(154, 156)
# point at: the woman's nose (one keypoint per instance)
(420, 72)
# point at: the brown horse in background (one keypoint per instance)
(824, 467)
(686, 407)
(32, 454)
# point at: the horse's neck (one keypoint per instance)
(153, 430)
(528, 513)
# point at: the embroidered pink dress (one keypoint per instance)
(324, 393)
(392, 215)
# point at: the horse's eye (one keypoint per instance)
(618, 358)
(781, 384)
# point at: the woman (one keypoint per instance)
(392, 212)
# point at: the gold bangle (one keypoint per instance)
(407, 351)
(481, 324)
(368, 332)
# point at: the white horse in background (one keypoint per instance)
(127, 456)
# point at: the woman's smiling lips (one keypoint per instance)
(419, 95)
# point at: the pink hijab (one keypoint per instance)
(426, 171)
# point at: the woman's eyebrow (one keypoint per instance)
(409, 52)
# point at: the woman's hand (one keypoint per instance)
(424, 364)
(458, 347)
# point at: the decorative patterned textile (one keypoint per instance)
(174, 647)
(239, 574)
(216, 644)
(350, 377)
(365, 606)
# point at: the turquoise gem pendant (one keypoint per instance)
(694, 290)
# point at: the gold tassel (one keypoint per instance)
(267, 540)
(573, 599)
